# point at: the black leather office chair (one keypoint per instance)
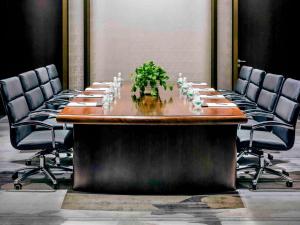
(56, 84)
(280, 137)
(24, 136)
(254, 87)
(241, 83)
(45, 84)
(266, 101)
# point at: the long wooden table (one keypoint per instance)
(154, 146)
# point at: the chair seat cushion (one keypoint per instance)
(42, 139)
(261, 140)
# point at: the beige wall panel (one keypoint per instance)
(176, 34)
(76, 44)
(224, 44)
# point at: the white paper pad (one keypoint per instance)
(198, 84)
(82, 104)
(204, 89)
(90, 96)
(221, 105)
(212, 96)
(97, 89)
(103, 83)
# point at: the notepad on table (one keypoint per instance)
(90, 96)
(212, 96)
(97, 89)
(102, 83)
(198, 84)
(204, 89)
(83, 104)
(221, 105)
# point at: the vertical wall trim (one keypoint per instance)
(235, 43)
(214, 43)
(87, 64)
(65, 43)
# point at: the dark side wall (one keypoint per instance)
(30, 36)
(269, 35)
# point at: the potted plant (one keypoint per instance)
(147, 78)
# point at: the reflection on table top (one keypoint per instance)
(170, 108)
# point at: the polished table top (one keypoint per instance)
(170, 108)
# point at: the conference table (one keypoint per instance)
(148, 145)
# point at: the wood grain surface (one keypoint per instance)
(171, 108)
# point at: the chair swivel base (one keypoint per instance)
(262, 167)
(33, 170)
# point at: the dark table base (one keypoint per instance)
(145, 159)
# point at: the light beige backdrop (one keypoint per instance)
(176, 34)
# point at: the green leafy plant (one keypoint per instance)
(150, 75)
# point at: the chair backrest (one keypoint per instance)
(54, 79)
(243, 80)
(270, 91)
(287, 110)
(44, 81)
(16, 108)
(255, 84)
(32, 90)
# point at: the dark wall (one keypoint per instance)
(30, 36)
(269, 35)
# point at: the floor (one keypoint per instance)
(275, 207)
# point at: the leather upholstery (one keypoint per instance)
(45, 83)
(287, 110)
(33, 92)
(52, 71)
(47, 91)
(255, 84)
(56, 86)
(55, 81)
(16, 108)
(243, 80)
(42, 75)
(11, 88)
(29, 80)
(270, 92)
(262, 139)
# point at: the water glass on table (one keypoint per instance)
(197, 101)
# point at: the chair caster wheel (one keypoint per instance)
(270, 157)
(28, 162)
(14, 176)
(254, 186)
(285, 173)
(289, 183)
(18, 186)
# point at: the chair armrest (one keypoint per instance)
(32, 123)
(71, 91)
(41, 113)
(48, 110)
(255, 110)
(58, 100)
(245, 103)
(261, 114)
(268, 124)
(273, 124)
(232, 94)
(38, 123)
